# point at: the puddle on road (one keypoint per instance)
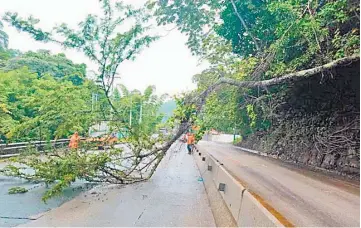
(16, 209)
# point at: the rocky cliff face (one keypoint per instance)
(317, 123)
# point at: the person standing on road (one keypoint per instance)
(74, 141)
(190, 142)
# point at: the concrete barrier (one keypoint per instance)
(215, 167)
(232, 194)
(254, 214)
(245, 208)
(220, 210)
(202, 166)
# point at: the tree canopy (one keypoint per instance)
(42, 63)
(249, 41)
(42, 108)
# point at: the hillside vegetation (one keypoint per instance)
(284, 75)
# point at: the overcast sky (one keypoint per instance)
(167, 63)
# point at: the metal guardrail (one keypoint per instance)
(14, 149)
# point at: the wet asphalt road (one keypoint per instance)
(304, 197)
(17, 209)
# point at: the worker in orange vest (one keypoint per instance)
(190, 142)
(74, 141)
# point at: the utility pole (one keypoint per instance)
(234, 132)
(140, 115)
(94, 101)
(39, 130)
(130, 117)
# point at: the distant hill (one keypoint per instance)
(167, 109)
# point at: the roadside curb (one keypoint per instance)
(305, 166)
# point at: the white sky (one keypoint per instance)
(167, 63)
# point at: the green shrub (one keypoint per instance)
(237, 140)
(17, 190)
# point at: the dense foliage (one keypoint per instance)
(257, 40)
(43, 108)
(42, 63)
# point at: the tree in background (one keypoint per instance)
(43, 108)
(138, 110)
(42, 63)
(98, 38)
(118, 35)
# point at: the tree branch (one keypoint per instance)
(245, 25)
(285, 78)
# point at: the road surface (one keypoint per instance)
(304, 197)
(20, 208)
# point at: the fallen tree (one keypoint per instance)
(100, 40)
(288, 77)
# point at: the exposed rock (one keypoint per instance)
(317, 123)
